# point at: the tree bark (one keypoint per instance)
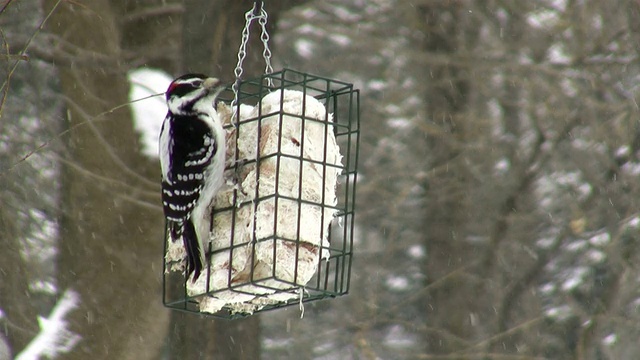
(19, 325)
(446, 96)
(109, 248)
(212, 31)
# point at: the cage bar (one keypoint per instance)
(272, 141)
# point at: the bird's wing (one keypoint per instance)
(183, 175)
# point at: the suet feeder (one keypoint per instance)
(281, 230)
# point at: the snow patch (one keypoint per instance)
(546, 243)
(54, 337)
(304, 48)
(595, 256)
(148, 114)
(399, 123)
(398, 337)
(543, 19)
(502, 166)
(42, 286)
(623, 151)
(558, 55)
(377, 85)
(417, 251)
(577, 245)
(548, 288)
(635, 222)
(601, 239)
(345, 14)
(631, 168)
(575, 278)
(560, 313)
(610, 339)
(308, 29)
(393, 109)
(340, 40)
(397, 283)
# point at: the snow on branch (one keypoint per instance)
(54, 337)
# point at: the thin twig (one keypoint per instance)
(26, 46)
(144, 204)
(97, 117)
(107, 180)
(480, 356)
(5, 91)
(5, 6)
(509, 332)
(116, 159)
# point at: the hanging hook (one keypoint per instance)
(257, 8)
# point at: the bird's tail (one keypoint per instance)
(194, 255)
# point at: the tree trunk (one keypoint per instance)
(447, 91)
(110, 248)
(212, 31)
(19, 310)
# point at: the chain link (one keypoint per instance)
(266, 53)
(249, 17)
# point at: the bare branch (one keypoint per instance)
(5, 84)
(87, 119)
(150, 12)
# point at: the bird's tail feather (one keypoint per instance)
(194, 257)
(175, 230)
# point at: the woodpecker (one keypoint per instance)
(192, 159)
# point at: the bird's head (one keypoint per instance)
(188, 91)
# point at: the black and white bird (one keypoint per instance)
(192, 158)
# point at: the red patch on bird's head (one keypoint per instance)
(172, 87)
(184, 80)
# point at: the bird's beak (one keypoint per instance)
(210, 83)
(214, 86)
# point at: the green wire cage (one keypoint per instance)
(281, 232)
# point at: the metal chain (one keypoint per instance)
(257, 12)
(266, 53)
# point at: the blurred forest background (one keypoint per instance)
(498, 199)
